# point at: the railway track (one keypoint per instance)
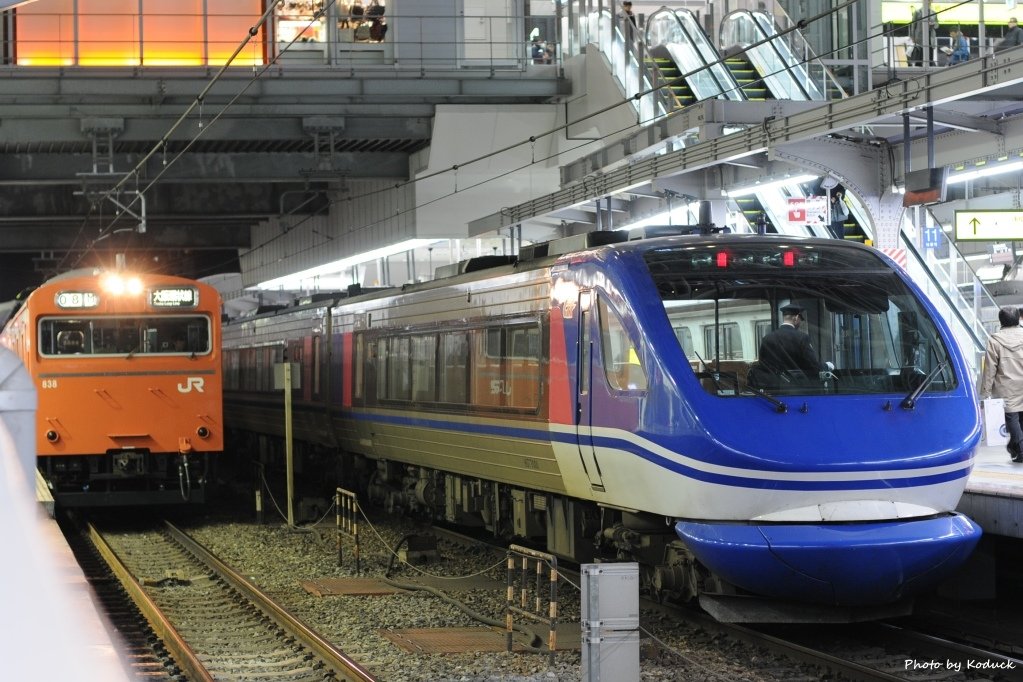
(867, 652)
(144, 652)
(200, 604)
(882, 651)
(213, 623)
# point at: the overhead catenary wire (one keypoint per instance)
(800, 25)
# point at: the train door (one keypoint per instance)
(584, 392)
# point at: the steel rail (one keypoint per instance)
(178, 649)
(338, 661)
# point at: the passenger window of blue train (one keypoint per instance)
(316, 365)
(523, 369)
(357, 366)
(488, 375)
(621, 361)
(424, 368)
(454, 349)
(398, 383)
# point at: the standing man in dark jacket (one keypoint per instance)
(1013, 36)
(1003, 375)
(787, 348)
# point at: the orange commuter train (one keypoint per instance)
(128, 372)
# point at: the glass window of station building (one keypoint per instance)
(133, 33)
(950, 17)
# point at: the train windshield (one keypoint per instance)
(124, 335)
(798, 319)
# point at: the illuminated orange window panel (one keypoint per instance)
(112, 33)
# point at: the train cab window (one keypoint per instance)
(117, 335)
(867, 328)
(621, 361)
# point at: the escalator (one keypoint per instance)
(745, 74)
(755, 44)
(667, 75)
(852, 230)
(675, 36)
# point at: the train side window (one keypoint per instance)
(398, 384)
(454, 354)
(523, 367)
(685, 339)
(424, 368)
(359, 366)
(621, 361)
(316, 365)
(761, 328)
(727, 346)
(488, 380)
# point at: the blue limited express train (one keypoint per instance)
(613, 399)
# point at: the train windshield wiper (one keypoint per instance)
(909, 402)
(779, 406)
(716, 377)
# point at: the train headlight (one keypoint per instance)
(202, 432)
(119, 285)
(52, 436)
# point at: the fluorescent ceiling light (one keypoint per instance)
(774, 184)
(985, 172)
(679, 215)
(337, 268)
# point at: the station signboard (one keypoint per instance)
(989, 225)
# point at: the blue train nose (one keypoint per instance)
(838, 564)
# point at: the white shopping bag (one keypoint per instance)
(992, 417)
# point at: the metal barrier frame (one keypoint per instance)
(541, 559)
(346, 503)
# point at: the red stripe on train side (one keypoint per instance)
(561, 403)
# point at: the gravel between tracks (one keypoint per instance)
(276, 559)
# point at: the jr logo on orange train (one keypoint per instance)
(193, 382)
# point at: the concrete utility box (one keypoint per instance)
(610, 596)
(610, 622)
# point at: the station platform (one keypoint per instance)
(994, 492)
(89, 629)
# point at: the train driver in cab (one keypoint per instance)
(787, 349)
(70, 342)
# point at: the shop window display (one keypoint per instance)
(362, 22)
(296, 21)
